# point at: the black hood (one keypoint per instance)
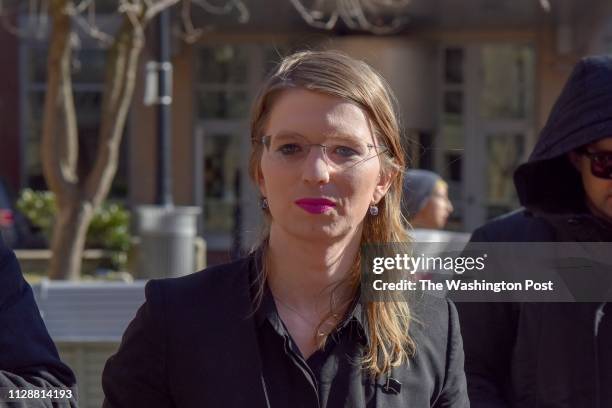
(581, 115)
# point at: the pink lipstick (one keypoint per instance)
(315, 205)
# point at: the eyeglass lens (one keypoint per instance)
(601, 164)
(339, 152)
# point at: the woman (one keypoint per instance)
(284, 327)
(425, 203)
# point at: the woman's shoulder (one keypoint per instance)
(435, 324)
(439, 354)
(212, 285)
(216, 274)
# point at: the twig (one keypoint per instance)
(313, 17)
(156, 8)
(545, 4)
(354, 14)
(191, 34)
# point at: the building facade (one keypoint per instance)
(475, 81)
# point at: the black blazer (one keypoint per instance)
(193, 344)
(28, 357)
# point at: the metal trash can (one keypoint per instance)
(167, 241)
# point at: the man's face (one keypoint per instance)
(598, 190)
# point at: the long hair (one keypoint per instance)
(335, 74)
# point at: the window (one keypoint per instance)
(228, 75)
(508, 76)
(451, 142)
(486, 110)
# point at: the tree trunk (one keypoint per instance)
(77, 199)
(59, 149)
(69, 234)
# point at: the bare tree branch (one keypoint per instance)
(93, 30)
(387, 3)
(157, 7)
(37, 26)
(243, 11)
(88, 25)
(545, 4)
(130, 9)
(313, 17)
(59, 132)
(354, 13)
(84, 5)
(115, 107)
(190, 34)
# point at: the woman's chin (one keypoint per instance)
(319, 231)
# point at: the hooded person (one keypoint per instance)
(552, 354)
(28, 358)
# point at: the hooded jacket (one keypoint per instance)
(582, 115)
(546, 354)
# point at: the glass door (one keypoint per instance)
(485, 127)
(501, 126)
(228, 77)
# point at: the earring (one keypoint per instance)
(373, 210)
(264, 203)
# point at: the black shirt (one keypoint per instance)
(330, 377)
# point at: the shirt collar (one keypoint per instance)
(355, 320)
(267, 308)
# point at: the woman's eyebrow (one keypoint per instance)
(289, 133)
(331, 136)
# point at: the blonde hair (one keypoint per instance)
(335, 74)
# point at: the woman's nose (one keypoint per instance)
(315, 168)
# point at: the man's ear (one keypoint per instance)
(575, 159)
(385, 179)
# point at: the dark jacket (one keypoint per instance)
(194, 344)
(28, 357)
(544, 354)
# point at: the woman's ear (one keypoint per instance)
(385, 179)
(261, 183)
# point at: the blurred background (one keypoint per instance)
(124, 127)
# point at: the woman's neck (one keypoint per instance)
(306, 272)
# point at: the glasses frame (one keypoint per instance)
(607, 172)
(383, 149)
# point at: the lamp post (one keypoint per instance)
(167, 232)
(164, 112)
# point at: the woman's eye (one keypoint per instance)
(290, 148)
(346, 151)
